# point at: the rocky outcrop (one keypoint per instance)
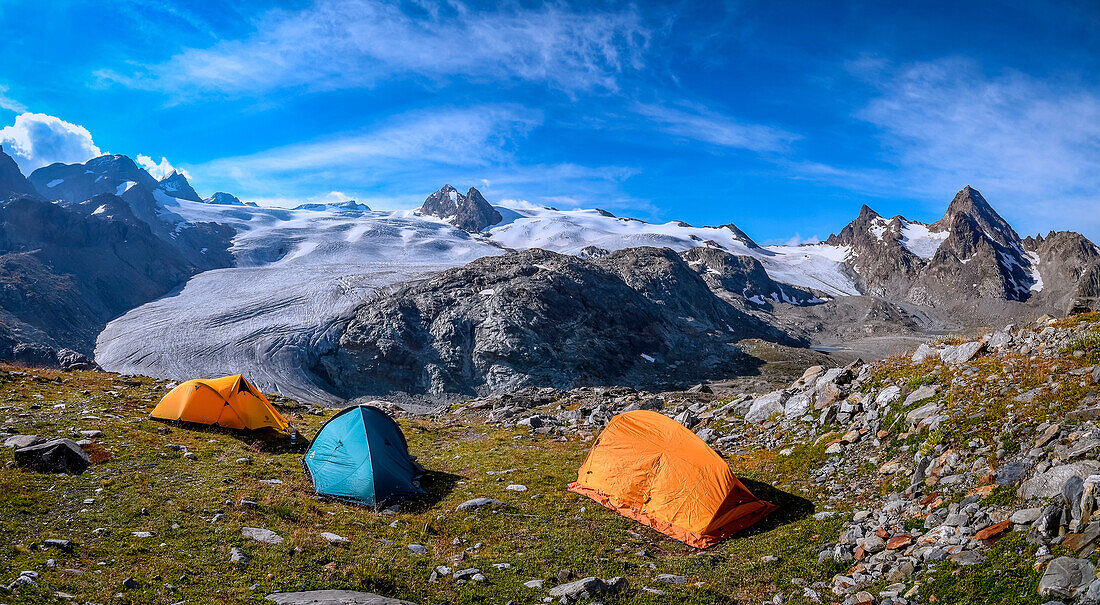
(12, 181)
(536, 318)
(63, 275)
(470, 212)
(222, 198)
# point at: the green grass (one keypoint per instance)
(1006, 576)
(139, 485)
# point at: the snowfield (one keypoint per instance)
(920, 240)
(300, 273)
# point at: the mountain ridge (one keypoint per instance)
(875, 278)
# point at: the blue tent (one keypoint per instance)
(360, 454)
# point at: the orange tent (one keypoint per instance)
(229, 401)
(650, 468)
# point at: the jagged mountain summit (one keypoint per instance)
(970, 254)
(470, 212)
(176, 185)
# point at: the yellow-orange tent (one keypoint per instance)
(650, 468)
(229, 401)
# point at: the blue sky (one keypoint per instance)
(780, 117)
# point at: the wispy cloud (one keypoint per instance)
(1029, 144)
(698, 123)
(341, 44)
(468, 136)
(9, 103)
(398, 162)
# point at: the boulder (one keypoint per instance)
(766, 406)
(887, 396)
(1049, 484)
(797, 406)
(18, 441)
(1065, 577)
(928, 410)
(70, 360)
(963, 353)
(333, 597)
(924, 352)
(55, 456)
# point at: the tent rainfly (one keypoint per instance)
(230, 402)
(361, 455)
(650, 468)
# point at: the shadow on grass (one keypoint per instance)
(438, 486)
(791, 507)
(264, 440)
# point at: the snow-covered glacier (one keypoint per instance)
(300, 273)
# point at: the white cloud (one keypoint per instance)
(9, 103)
(1029, 145)
(161, 170)
(338, 44)
(698, 123)
(37, 140)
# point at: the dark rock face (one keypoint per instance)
(176, 185)
(224, 199)
(470, 212)
(744, 277)
(982, 256)
(81, 186)
(535, 318)
(1070, 268)
(55, 456)
(12, 181)
(740, 235)
(63, 275)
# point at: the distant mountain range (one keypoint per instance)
(328, 301)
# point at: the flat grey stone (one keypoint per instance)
(260, 534)
(17, 441)
(478, 503)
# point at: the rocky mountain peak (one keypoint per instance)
(470, 212)
(224, 199)
(12, 181)
(865, 212)
(969, 202)
(176, 185)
